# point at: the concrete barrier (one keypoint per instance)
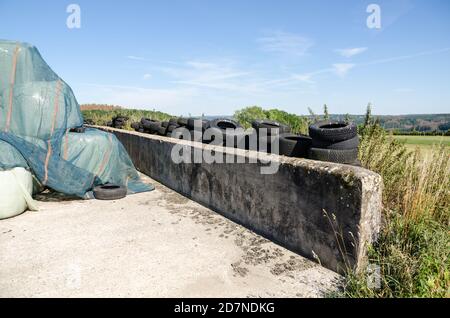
(324, 211)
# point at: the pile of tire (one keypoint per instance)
(189, 124)
(155, 127)
(166, 128)
(291, 145)
(233, 134)
(334, 141)
(118, 122)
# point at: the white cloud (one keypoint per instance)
(351, 51)
(147, 76)
(307, 78)
(221, 74)
(136, 58)
(286, 43)
(343, 68)
(407, 57)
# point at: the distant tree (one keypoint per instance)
(326, 115)
(444, 127)
(368, 117)
(422, 128)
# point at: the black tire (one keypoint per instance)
(273, 127)
(340, 145)
(191, 122)
(78, 130)
(136, 126)
(171, 128)
(222, 125)
(173, 121)
(332, 131)
(110, 192)
(182, 121)
(333, 155)
(143, 120)
(119, 121)
(141, 130)
(294, 145)
(165, 124)
(162, 131)
(152, 126)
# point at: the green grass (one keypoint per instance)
(413, 249)
(425, 144)
(427, 141)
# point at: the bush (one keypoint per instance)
(298, 124)
(101, 117)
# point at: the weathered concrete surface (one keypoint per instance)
(156, 244)
(324, 211)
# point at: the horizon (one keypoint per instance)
(217, 57)
(267, 108)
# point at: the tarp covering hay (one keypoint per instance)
(37, 111)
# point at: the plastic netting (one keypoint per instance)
(37, 111)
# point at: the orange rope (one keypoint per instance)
(49, 144)
(106, 158)
(11, 87)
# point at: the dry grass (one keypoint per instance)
(413, 248)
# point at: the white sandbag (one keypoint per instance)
(16, 187)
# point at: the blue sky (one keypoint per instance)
(214, 57)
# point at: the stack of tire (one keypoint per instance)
(150, 126)
(118, 122)
(334, 141)
(233, 134)
(156, 127)
(291, 145)
(189, 124)
(172, 124)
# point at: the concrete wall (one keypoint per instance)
(324, 211)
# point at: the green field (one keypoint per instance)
(425, 140)
(424, 143)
